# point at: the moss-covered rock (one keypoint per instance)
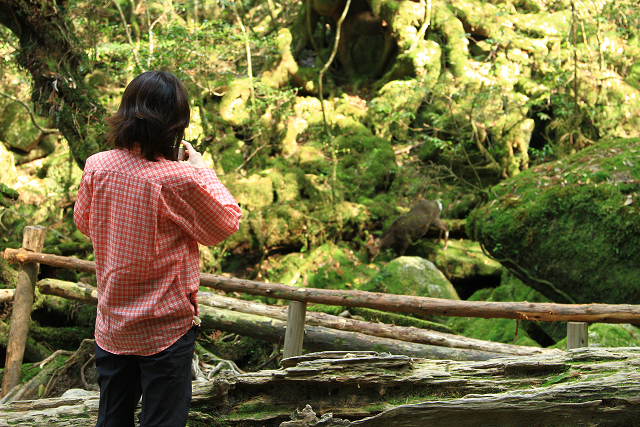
(327, 266)
(504, 330)
(452, 30)
(232, 156)
(412, 276)
(464, 260)
(277, 74)
(496, 330)
(287, 184)
(294, 126)
(570, 229)
(423, 61)
(233, 106)
(367, 165)
(46, 146)
(395, 108)
(254, 191)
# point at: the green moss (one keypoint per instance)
(463, 259)
(391, 113)
(231, 157)
(254, 191)
(8, 192)
(287, 184)
(557, 225)
(328, 266)
(412, 276)
(496, 330)
(367, 165)
(456, 50)
(233, 108)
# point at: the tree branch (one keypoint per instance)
(33, 119)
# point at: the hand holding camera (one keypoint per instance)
(193, 157)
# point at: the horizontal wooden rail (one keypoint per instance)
(594, 313)
(87, 294)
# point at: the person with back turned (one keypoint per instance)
(145, 213)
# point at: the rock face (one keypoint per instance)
(570, 229)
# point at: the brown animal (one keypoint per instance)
(408, 228)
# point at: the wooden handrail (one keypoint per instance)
(594, 313)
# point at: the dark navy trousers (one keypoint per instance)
(163, 380)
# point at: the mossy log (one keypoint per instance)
(595, 387)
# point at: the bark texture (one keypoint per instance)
(53, 55)
(587, 387)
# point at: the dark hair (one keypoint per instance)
(154, 112)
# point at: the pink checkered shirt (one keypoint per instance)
(145, 220)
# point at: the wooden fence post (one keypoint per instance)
(294, 334)
(32, 240)
(577, 335)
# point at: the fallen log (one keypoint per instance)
(409, 334)
(317, 338)
(548, 312)
(85, 293)
(590, 386)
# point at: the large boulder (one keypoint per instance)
(412, 276)
(570, 229)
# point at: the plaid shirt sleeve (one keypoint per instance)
(205, 209)
(83, 205)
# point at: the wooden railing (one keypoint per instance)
(577, 315)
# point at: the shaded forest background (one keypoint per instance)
(325, 144)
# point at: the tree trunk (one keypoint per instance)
(54, 56)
